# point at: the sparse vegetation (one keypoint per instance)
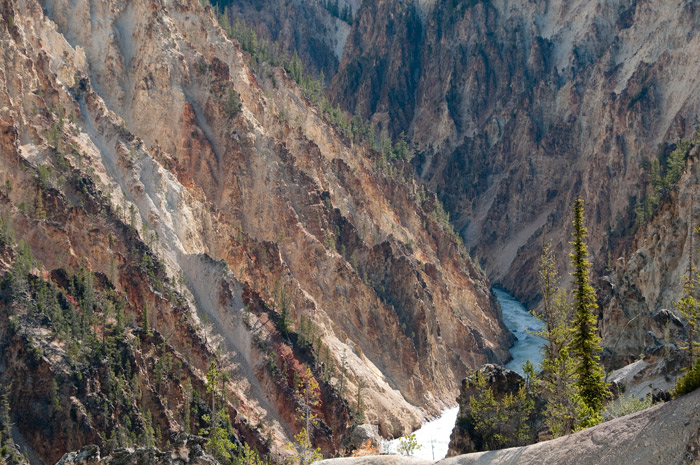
(233, 103)
(626, 405)
(9, 454)
(661, 174)
(408, 445)
(333, 7)
(219, 431)
(689, 306)
(307, 395)
(689, 381)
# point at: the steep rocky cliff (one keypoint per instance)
(638, 295)
(515, 109)
(177, 208)
(315, 30)
(518, 107)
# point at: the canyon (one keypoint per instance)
(189, 210)
(514, 110)
(174, 202)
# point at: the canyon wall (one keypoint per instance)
(217, 216)
(638, 293)
(516, 109)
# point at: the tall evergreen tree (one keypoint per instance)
(558, 380)
(585, 344)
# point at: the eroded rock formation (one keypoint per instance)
(638, 294)
(186, 450)
(517, 108)
(215, 215)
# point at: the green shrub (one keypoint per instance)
(500, 422)
(625, 405)
(408, 445)
(689, 382)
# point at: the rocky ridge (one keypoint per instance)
(186, 450)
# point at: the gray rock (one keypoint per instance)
(362, 435)
(88, 455)
(665, 434)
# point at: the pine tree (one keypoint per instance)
(558, 382)
(145, 323)
(213, 376)
(585, 345)
(219, 443)
(307, 395)
(549, 281)
(676, 162)
(689, 307)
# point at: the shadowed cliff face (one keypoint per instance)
(140, 147)
(638, 293)
(517, 108)
(381, 65)
(305, 27)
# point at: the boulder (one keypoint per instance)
(363, 440)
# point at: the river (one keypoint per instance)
(434, 436)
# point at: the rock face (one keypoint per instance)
(667, 433)
(364, 440)
(637, 296)
(518, 108)
(316, 31)
(176, 207)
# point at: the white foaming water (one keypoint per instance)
(434, 436)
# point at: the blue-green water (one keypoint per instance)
(522, 324)
(434, 436)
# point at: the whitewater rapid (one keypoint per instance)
(434, 436)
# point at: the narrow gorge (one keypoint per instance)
(228, 225)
